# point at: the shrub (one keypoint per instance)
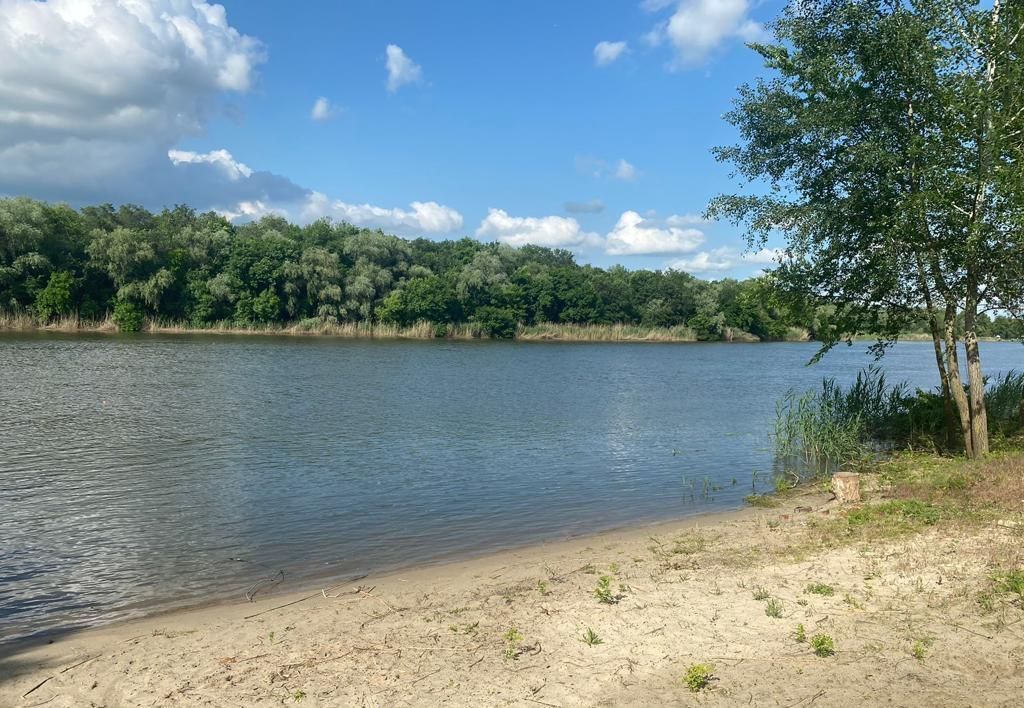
(128, 316)
(55, 299)
(496, 322)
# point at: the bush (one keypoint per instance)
(128, 316)
(496, 322)
(55, 299)
(698, 676)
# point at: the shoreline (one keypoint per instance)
(554, 333)
(531, 625)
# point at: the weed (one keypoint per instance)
(823, 645)
(542, 588)
(763, 501)
(698, 676)
(513, 638)
(613, 568)
(800, 635)
(820, 589)
(298, 696)
(919, 650)
(591, 639)
(773, 608)
(853, 602)
(761, 593)
(773, 524)
(604, 593)
(1010, 581)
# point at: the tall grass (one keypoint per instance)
(604, 333)
(834, 426)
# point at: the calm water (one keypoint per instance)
(152, 472)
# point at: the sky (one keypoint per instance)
(572, 124)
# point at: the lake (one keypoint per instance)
(145, 473)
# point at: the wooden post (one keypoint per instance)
(846, 487)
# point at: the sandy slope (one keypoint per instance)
(438, 635)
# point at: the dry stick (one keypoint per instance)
(971, 631)
(281, 607)
(36, 687)
(534, 700)
(84, 661)
(425, 676)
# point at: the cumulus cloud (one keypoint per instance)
(420, 217)
(606, 53)
(323, 110)
(634, 235)
(726, 258)
(401, 69)
(594, 206)
(90, 89)
(698, 27)
(550, 231)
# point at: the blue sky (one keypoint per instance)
(506, 121)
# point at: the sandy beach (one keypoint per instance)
(914, 621)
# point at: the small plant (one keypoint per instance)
(853, 602)
(1011, 581)
(919, 650)
(800, 635)
(298, 696)
(762, 501)
(773, 524)
(591, 639)
(761, 593)
(698, 676)
(604, 592)
(542, 587)
(613, 568)
(823, 645)
(773, 608)
(820, 589)
(512, 638)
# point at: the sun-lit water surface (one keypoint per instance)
(144, 473)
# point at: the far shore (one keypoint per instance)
(616, 618)
(546, 332)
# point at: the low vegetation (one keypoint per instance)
(698, 677)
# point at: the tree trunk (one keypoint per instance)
(956, 386)
(975, 379)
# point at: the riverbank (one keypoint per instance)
(919, 591)
(420, 330)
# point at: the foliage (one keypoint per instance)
(773, 608)
(823, 645)
(128, 316)
(699, 676)
(820, 589)
(884, 143)
(591, 639)
(200, 269)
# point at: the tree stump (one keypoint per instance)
(846, 487)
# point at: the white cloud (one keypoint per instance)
(323, 110)
(626, 172)
(401, 69)
(685, 220)
(606, 53)
(634, 235)
(550, 231)
(698, 27)
(421, 217)
(223, 159)
(725, 258)
(90, 89)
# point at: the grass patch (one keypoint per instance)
(820, 589)
(773, 608)
(591, 639)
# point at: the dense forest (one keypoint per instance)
(200, 270)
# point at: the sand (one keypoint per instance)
(508, 629)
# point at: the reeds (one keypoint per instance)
(604, 333)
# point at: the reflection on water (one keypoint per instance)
(150, 472)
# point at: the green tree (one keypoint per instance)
(56, 298)
(890, 134)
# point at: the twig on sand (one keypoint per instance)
(83, 661)
(971, 631)
(426, 676)
(534, 700)
(811, 700)
(281, 607)
(36, 687)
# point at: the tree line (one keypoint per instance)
(200, 269)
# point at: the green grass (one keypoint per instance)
(820, 589)
(591, 639)
(800, 635)
(773, 608)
